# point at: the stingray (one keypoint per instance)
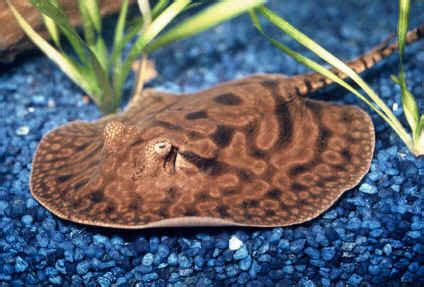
(248, 152)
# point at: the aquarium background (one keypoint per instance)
(372, 236)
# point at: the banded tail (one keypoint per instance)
(312, 82)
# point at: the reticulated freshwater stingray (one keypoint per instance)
(251, 152)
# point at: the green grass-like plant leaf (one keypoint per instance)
(51, 26)
(409, 103)
(217, 13)
(149, 34)
(70, 68)
(61, 20)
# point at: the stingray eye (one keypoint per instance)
(162, 148)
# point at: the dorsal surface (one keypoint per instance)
(241, 153)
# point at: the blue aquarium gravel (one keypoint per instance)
(372, 236)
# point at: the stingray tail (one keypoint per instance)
(312, 82)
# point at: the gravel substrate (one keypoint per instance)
(372, 236)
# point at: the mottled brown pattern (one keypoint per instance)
(249, 152)
(258, 158)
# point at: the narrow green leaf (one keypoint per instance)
(92, 8)
(64, 64)
(418, 147)
(133, 30)
(108, 103)
(87, 23)
(410, 107)
(51, 26)
(420, 127)
(338, 64)
(61, 20)
(144, 7)
(87, 56)
(159, 7)
(212, 16)
(52, 29)
(403, 19)
(135, 26)
(118, 45)
(152, 31)
(395, 79)
(101, 53)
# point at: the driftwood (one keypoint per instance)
(13, 40)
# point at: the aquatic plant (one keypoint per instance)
(413, 140)
(101, 73)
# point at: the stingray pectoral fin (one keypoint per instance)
(340, 158)
(65, 160)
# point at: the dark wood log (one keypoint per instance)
(13, 40)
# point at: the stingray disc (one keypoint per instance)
(245, 152)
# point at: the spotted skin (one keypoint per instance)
(250, 152)
(245, 153)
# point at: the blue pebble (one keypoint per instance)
(142, 245)
(254, 269)
(328, 253)
(312, 252)
(413, 267)
(374, 269)
(56, 280)
(283, 244)
(418, 225)
(353, 223)
(297, 245)
(20, 264)
(104, 282)
(222, 243)
(174, 277)
(83, 267)
(199, 261)
(232, 270)
(276, 235)
(204, 281)
(387, 249)
(376, 232)
(245, 263)
(163, 250)
(243, 278)
(332, 214)
(183, 261)
(288, 269)
(154, 244)
(3, 206)
(117, 241)
(173, 259)
(325, 282)
(241, 253)
(27, 219)
(355, 280)
(367, 188)
(264, 258)
(263, 248)
(414, 234)
(306, 283)
(147, 259)
(99, 239)
(149, 277)
(371, 224)
(216, 252)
